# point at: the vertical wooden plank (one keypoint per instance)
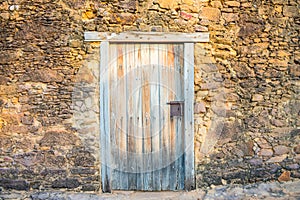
(189, 115)
(131, 102)
(113, 115)
(139, 113)
(122, 108)
(167, 95)
(104, 118)
(179, 165)
(119, 81)
(160, 118)
(155, 115)
(147, 176)
(181, 161)
(173, 131)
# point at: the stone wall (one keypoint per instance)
(42, 52)
(246, 88)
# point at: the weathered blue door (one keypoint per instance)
(143, 117)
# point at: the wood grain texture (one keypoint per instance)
(146, 96)
(122, 110)
(146, 37)
(104, 118)
(173, 120)
(166, 94)
(114, 131)
(179, 151)
(189, 116)
(131, 116)
(142, 143)
(155, 115)
(139, 117)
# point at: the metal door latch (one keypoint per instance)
(176, 108)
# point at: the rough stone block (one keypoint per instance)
(14, 184)
(278, 123)
(212, 179)
(277, 159)
(285, 176)
(66, 183)
(5, 15)
(278, 62)
(7, 173)
(3, 80)
(156, 28)
(258, 47)
(290, 11)
(263, 10)
(88, 15)
(259, 174)
(52, 160)
(295, 70)
(230, 17)
(265, 152)
(85, 75)
(188, 2)
(83, 158)
(199, 108)
(248, 29)
(128, 5)
(256, 161)
(27, 120)
(186, 15)
(236, 176)
(83, 171)
(90, 187)
(29, 158)
(283, 53)
(8, 90)
(295, 174)
(246, 4)
(58, 138)
(247, 148)
(43, 75)
(75, 43)
(170, 4)
(243, 71)
(257, 97)
(199, 28)
(279, 2)
(54, 173)
(294, 166)
(232, 3)
(229, 130)
(208, 13)
(216, 4)
(209, 68)
(40, 195)
(123, 18)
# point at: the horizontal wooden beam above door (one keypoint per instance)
(147, 37)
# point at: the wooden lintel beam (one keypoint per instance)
(147, 37)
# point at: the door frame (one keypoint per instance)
(188, 40)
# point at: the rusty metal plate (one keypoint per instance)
(176, 108)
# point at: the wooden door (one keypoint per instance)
(143, 146)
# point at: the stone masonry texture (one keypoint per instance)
(247, 103)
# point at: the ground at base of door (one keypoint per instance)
(267, 191)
